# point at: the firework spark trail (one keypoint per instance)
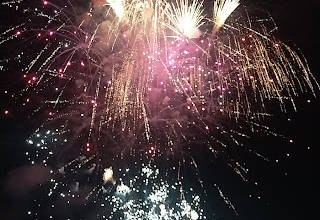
(10, 3)
(13, 36)
(227, 201)
(222, 9)
(130, 74)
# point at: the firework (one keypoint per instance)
(136, 79)
(185, 18)
(222, 9)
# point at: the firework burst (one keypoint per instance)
(144, 79)
(185, 18)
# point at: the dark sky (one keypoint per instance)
(290, 196)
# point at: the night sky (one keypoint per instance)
(287, 189)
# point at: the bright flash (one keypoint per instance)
(117, 6)
(108, 174)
